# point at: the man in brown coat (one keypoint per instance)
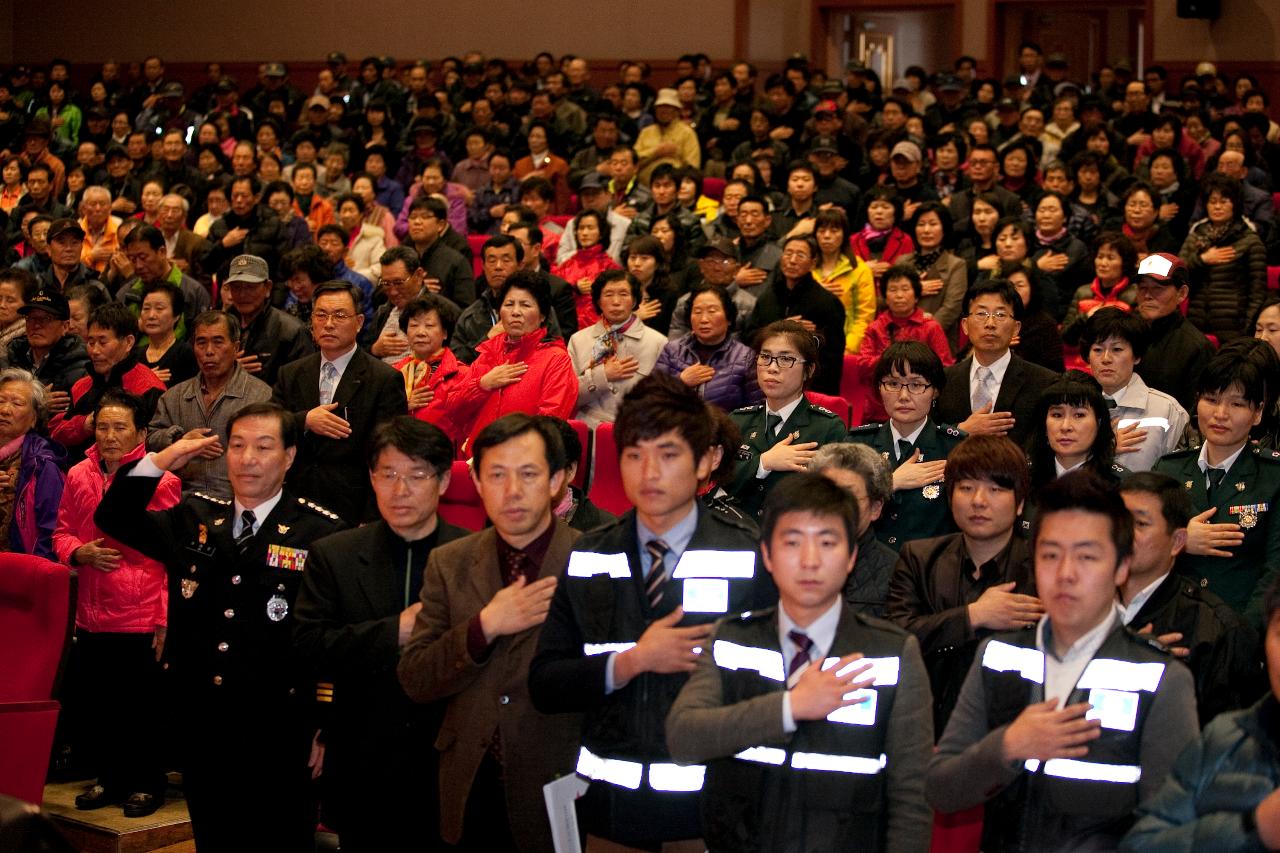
(484, 599)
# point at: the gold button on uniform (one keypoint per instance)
(229, 613)
(217, 679)
(222, 647)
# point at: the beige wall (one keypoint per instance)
(1248, 30)
(251, 30)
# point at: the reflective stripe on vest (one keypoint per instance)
(1087, 771)
(588, 564)
(815, 760)
(673, 777)
(883, 670)
(663, 776)
(589, 649)
(1002, 657)
(715, 564)
(1111, 674)
(767, 662)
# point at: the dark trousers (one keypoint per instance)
(486, 825)
(118, 704)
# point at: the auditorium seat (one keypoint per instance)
(460, 504)
(584, 463)
(839, 405)
(855, 386)
(958, 832)
(713, 188)
(1273, 278)
(476, 242)
(606, 478)
(34, 599)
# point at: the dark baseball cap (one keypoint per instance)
(591, 181)
(336, 57)
(723, 245)
(1163, 268)
(63, 226)
(950, 83)
(824, 144)
(47, 300)
(274, 69)
(172, 89)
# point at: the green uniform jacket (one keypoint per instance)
(810, 422)
(1247, 496)
(913, 513)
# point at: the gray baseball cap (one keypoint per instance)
(248, 268)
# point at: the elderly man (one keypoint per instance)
(184, 247)
(718, 264)
(1257, 206)
(99, 228)
(205, 404)
(594, 195)
(246, 228)
(667, 140)
(66, 242)
(145, 248)
(47, 349)
(172, 169)
(270, 338)
(402, 282)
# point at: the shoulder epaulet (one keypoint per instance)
(868, 428)
(1183, 453)
(754, 615)
(757, 407)
(211, 499)
(726, 510)
(1117, 468)
(319, 510)
(814, 407)
(1265, 453)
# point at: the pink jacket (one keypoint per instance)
(134, 598)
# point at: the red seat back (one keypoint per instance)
(606, 489)
(34, 596)
(713, 188)
(584, 463)
(1273, 278)
(476, 242)
(855, 386)
(839, 405)
(460, 504)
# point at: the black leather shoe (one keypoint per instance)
(141, 805)
(97, 797)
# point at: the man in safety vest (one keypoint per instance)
(815, 721)
(633, 612)
(1062, 730)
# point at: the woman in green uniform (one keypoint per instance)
(910, 377)
(780, 435)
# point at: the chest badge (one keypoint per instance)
(1187, 484)
(1240, 487)
(282, 529)
(203, 535)
(217, 522)
(189, 587)
(284, 557)
(931, 491)
(1248, 519)
(277, 608)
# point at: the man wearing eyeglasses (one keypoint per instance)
(993, 391)
(337, 397)
(355, 611)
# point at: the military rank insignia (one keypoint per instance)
(283, 557)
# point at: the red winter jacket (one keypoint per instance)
(68, 428)
(896, 245)
(445, 382)
(133, 599)
(549, 387)
(585, 263)
(917, 327)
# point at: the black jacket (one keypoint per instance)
(277, 339)
(457, 281)
(1019, 391)
(810, 300)
(266, 239)
(868, 583)
(66, 362)
(1176, 355)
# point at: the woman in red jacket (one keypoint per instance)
(903, 320)
(881, 242)
(432, 373)
(523, 367)
(121, 604)
(591, 230)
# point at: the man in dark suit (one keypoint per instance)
(337, 397)
(484, 599)
(992, 391)
(358, 602)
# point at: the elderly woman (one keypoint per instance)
(172, 360)
(943, 275)
(616, 352)
(1062, 259)
(121, 607)
(1228, 263)
(523, 368)
(30, 467)
(432, 374)
(16, 286)
(709, 358)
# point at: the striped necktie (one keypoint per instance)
(657, 577)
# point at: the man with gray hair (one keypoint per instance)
(99, 228)
(204, 404)
(863, 473)
(184, 247)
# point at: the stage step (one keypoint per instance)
(107, 830)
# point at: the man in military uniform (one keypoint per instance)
(1233, 546)
(634, 608)
(244, 713)
(780, 435)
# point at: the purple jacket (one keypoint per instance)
(734, 384)
(36, 497)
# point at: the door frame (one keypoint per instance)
(995, 34)
(819, 14)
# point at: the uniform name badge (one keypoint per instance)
(706, 595)
(1116, 709)
(861, 714)
(277, 608)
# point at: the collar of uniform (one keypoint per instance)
(676, 537)
(1059, 470)
(997, 367)
(822, 631)
(911, 439)
(1132, 609)
(260, 512)
(1133, 395)
(785, 412)
(1083, 648)
(1203, 460)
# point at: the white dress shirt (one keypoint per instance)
(822, 631)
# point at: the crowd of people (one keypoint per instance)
(248, 332)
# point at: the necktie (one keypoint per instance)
(982, 395)
(1111, 404)
(1215, 479)
(803, 644)
(771, 424)
(904, 450)
(247, 521)
(328, 382)
(657, 577)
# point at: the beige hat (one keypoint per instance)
(667, 98)
(1206, 69)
